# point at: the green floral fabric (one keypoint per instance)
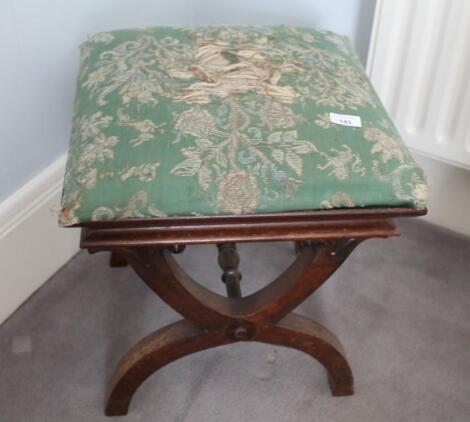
(228, 120)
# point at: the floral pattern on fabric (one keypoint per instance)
(228, 120)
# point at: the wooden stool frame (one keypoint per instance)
(324, 239)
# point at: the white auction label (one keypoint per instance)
(345, 120)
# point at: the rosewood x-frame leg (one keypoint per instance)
(323, 241)
(212, 320)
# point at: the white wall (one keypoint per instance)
(39, 58)
(449, 194)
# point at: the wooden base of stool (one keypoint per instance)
(212, 320)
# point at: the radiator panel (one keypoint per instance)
(419, 62)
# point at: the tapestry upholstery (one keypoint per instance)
(229, 120)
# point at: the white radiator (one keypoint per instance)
(419, 62)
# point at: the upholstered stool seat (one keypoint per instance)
(229, 120)
(221, 135)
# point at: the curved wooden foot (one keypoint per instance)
(158, 349)
(183, 338)
(301, 333)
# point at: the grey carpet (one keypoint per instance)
(401, 308)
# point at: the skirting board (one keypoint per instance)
(32, 245)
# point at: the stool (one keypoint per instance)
(221, 135)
